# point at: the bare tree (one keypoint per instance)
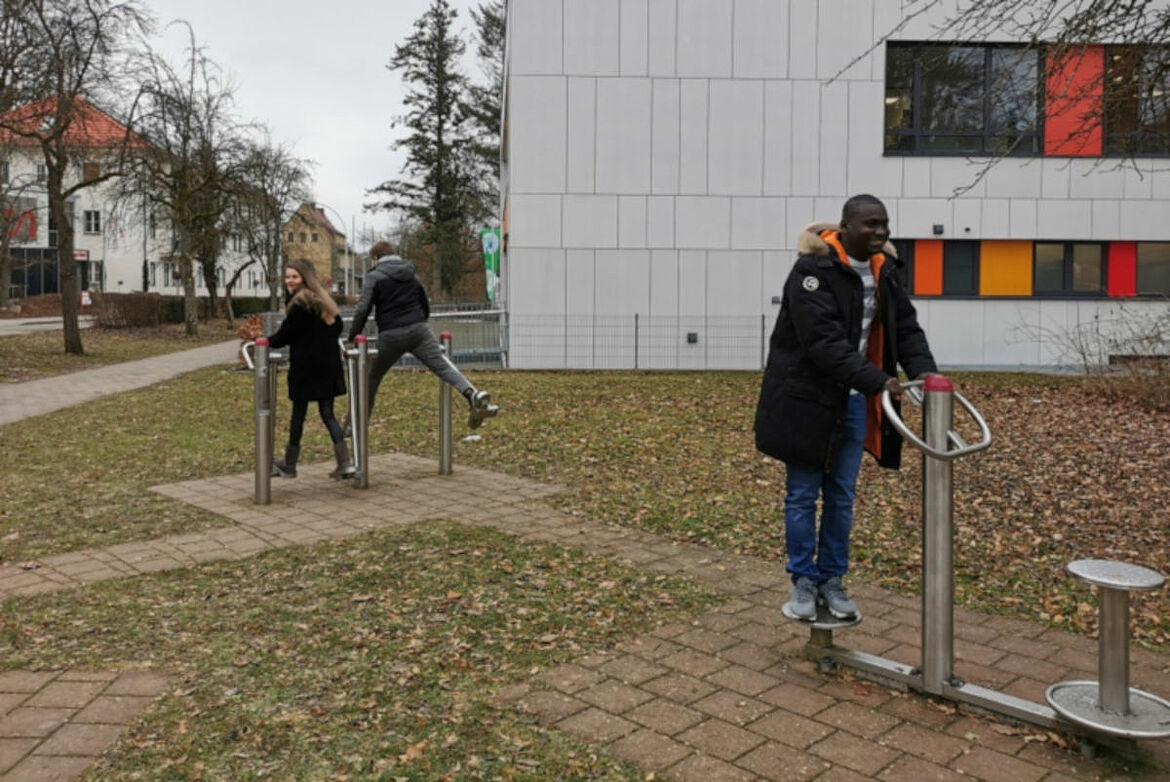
(275, 182)
(74, 48)
(190, 172)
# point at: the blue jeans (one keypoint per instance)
(819, 558)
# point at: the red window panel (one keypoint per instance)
(1073, 101)
(1122, 279)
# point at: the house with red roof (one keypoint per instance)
(310, 234)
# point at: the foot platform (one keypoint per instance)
(1110, 705)
(824, 620)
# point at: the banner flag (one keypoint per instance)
(490, 237)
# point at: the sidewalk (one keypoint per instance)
(36, 397)
(10, 326)
(726, 696)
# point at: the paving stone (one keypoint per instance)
(704, 640)
(778, 762)
(750, 655)
(613, 696)
(41, 768)
(996, 767)
(732, 707)
(858, 720)
(571, 678)
(596, 726)
(839, 774)
(75, 739)
(693, 663)
(920, 709)
(550, 706)
(993, 735)
(631, 669)
(146, 683)
(679, 687)
(649, 750)
(700, 768)
(115, 709)
(796, 698)
(720, 739)
(66, 695)
(931, 745)
(25, 681)
(23, 722)
(12, 750)
(848, 750)
(10, 700)
(910, 768)
(981, 654)
(665, 717)
(791, 729)
(862, 692)
(743, 680)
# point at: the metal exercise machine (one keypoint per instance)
(265, 365)
(1108, 707)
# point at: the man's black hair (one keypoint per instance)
(856, 202)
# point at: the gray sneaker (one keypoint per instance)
(803, 604)
(832, 594)
(481, 408)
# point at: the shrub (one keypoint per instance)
(128, 310)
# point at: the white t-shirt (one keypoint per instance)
(868, 298)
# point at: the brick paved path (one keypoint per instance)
(727, 696)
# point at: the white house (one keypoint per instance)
(661, 156)
(118, 247)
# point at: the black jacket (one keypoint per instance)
(315, 370)
(397, 296)
(814, 361)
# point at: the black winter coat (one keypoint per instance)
(397, 296)
(814, 361)
(315, 370)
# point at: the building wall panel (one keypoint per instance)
(1005, 268)
(704, 38)
(759, 25)
(581, 135)
(623, 135)
(736, 138)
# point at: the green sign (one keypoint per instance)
(490, 237)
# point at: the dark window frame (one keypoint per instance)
(1066, 290)
(1139, 293)
(1133, 143)
(986, 136)
(976, 269)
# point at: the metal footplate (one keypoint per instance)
(824, 620)
(1110, 705)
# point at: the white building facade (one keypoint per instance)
(661, 157)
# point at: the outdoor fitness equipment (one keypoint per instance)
(1110, 707)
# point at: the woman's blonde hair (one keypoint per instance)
(312, 296)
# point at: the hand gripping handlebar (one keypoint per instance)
(916, 395)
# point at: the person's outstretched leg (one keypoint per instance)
(392, 343)
(287, 467)
(345, 468)
(428, 350)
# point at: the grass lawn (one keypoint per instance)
(373, 657)
(29, 356)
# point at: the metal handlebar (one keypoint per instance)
(274, 356)
(962, 448)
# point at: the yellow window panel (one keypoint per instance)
(1005, 268)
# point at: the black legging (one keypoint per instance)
(296, 427)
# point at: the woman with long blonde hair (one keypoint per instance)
(311, 329)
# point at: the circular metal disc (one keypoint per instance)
(1078, 701)
(1116, 575)
(824, 620)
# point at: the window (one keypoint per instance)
(93, 221)
(153, 225)
(1153, 268)
(1068, 268)
(314, 236)
(41, 172)
(962, 100)
(291, 236)
(3, 170)
(90, 171)
(153, 274)
(302, 237)
(1137, 100)
(960, 268)
(166, 274)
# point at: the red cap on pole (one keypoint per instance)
(939, 383)
(445, 335)
(261, 342)
(360, 338)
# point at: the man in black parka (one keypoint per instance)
(846, 323)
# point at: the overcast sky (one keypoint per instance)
(314, 72)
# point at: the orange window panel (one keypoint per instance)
(1005, 268)
(1074, 92)
(928, 266)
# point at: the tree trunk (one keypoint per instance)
(5, 269)
(190, 300)
(67, 267)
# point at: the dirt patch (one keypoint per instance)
(46, 306)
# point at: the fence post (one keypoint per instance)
(635, 340)
(763, 341)
(361, 426)
(445, 429)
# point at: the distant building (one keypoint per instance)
(660, 158)
(309, 234)
(118, 249)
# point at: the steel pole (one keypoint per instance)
(445, 429)
(1113, 650)
(937, 539)
(262, 399)
(361, 426)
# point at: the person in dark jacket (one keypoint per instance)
(845, 324)
(311, 329)
(401, 307)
